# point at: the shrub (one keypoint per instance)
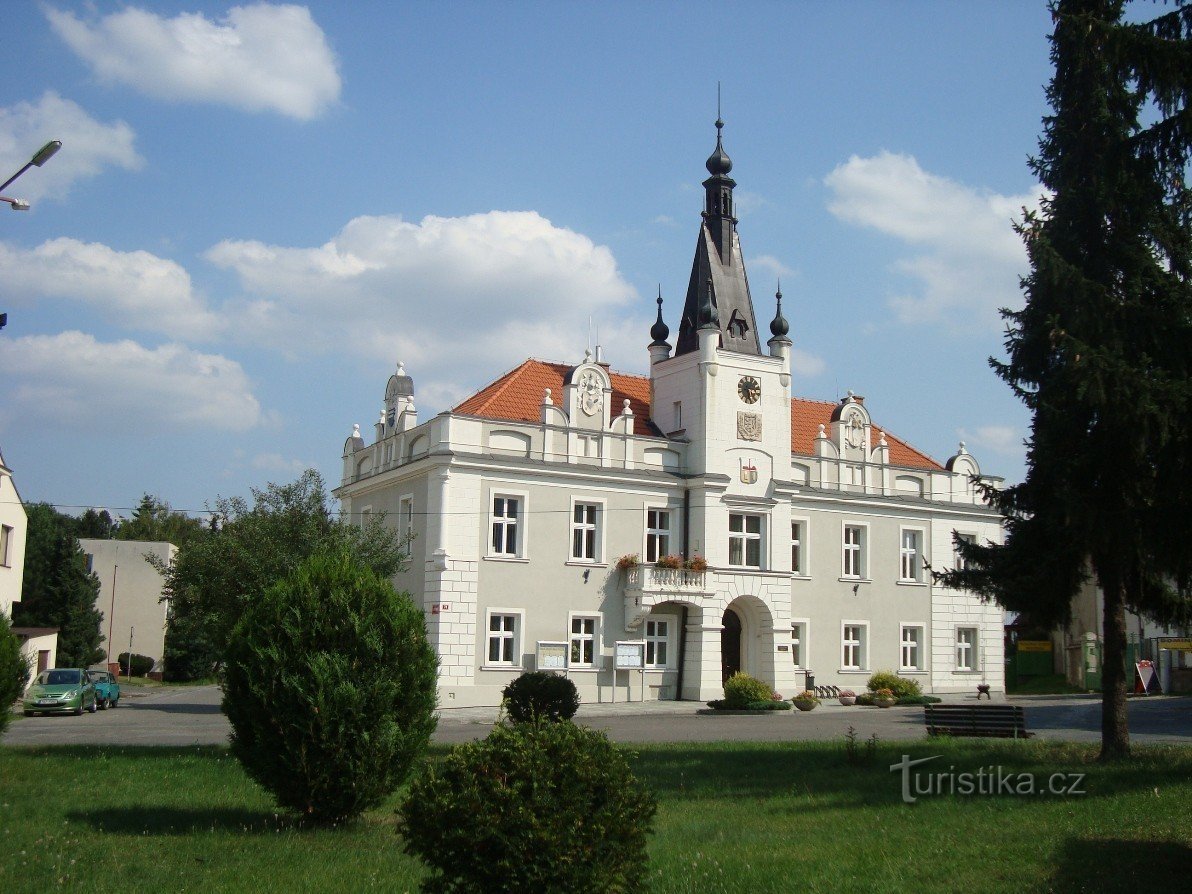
(671, 561)
(14, 671)
(807, 695)
(330, 688)
(141, 664)
(629, 560)
(696, 563)
(900, 686)
(534, 807)
(540, 695)
(919, 700)
(740, 689)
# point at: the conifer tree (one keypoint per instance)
(1100, 352)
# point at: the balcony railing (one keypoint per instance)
(651, 577)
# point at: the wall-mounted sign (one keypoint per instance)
(552, 655)
(1034, 645)
(439, 607)
(631, 654)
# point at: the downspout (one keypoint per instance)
(683, 619)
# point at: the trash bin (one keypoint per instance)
(810, 684)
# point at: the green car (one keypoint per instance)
(60, 691)
(107, 688)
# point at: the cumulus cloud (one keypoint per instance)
(136, 289)
(1000, 439)
(771, 264)
(459, 295)
(88, 146)
(966, 259)
(73, 380)
(805, 364)
(257, 58)
(275, 462)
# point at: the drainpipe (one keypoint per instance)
(683, 619)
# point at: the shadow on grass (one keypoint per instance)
(1097, 864)
(162, 820)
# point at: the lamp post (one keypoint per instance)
(44, 154)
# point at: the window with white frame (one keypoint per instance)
(584, 631)
(911, 650)
(799, 644)
(658, 633)
(745, 540)
(961, 564)
(504, 635)
(657, 534)
(853, 563)
(585, 532)
(853, 647)
(506, 539)
(405, 515)
(798, 546)
(966, 648)
(910, 553)
(5, 544)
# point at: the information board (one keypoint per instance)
(631, 654)
(552, 655)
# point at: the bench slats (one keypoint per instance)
(1004, 721)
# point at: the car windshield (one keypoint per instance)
(58, 677)
(98, 676)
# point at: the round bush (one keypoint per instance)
(740, 689)
(540, 695)
(900, 686)
(141, 664)
(14, 671)
(330, 688)
(534, 807)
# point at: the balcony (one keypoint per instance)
(648, 585)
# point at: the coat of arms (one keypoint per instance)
(749, 426)
(748, 472)
(591, 391)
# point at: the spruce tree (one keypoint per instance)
(1100, 352)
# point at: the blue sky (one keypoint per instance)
(258, 210)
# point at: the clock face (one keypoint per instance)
(749, 389)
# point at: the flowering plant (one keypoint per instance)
(847, 693)
(696, 563)
(806, 696)
(629, 560)
(884, 693)
(671, 561)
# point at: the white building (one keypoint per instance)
(130, 591)
(39, 645)
(815, 522)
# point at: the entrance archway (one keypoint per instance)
(730, 644)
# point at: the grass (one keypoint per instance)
(734, 817)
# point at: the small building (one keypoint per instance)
(690, 523)
(39, 645)
(130, 595)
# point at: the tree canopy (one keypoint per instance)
(213, 577)
(1100, 351)
(58, 590)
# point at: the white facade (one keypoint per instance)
(130, 592)
(39, 645)
(816, 525)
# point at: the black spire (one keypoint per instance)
(779, 327)
(718, 282)
(659, 331)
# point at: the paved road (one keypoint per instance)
(191, 716)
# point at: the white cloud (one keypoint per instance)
(969, 259)
(1000, 439)
(88, 146)
(805, 364)
(771, 263)
(256, 58)
(275, 462)
(455, 298)
(136, 289)
(74, 382)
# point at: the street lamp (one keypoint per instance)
(44, 154)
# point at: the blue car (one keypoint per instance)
(107, 688)
(63, 690)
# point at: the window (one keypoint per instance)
(365, 517)
(657, 534)
(854, 551)
(678, 408)
(799, 643)
(585, 532)
(583, 641)
(657, 641)
(854, 476)
(799, 547)
(503, 632)
(505, 541)
(745, 540)
(853, 647)
(912, 647)
(966, 648)
(961, 564)
(589, 446)
(5, 540)
(405, 513)
(911, 555)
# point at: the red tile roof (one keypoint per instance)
(517, 397)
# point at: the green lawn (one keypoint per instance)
(736, 817)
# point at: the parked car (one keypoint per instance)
(107, 688)
(62, 690)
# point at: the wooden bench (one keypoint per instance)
(1000, 721)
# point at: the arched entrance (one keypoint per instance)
(730, 644)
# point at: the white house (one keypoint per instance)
(130, 591)
(815, 522)
(39, 645)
